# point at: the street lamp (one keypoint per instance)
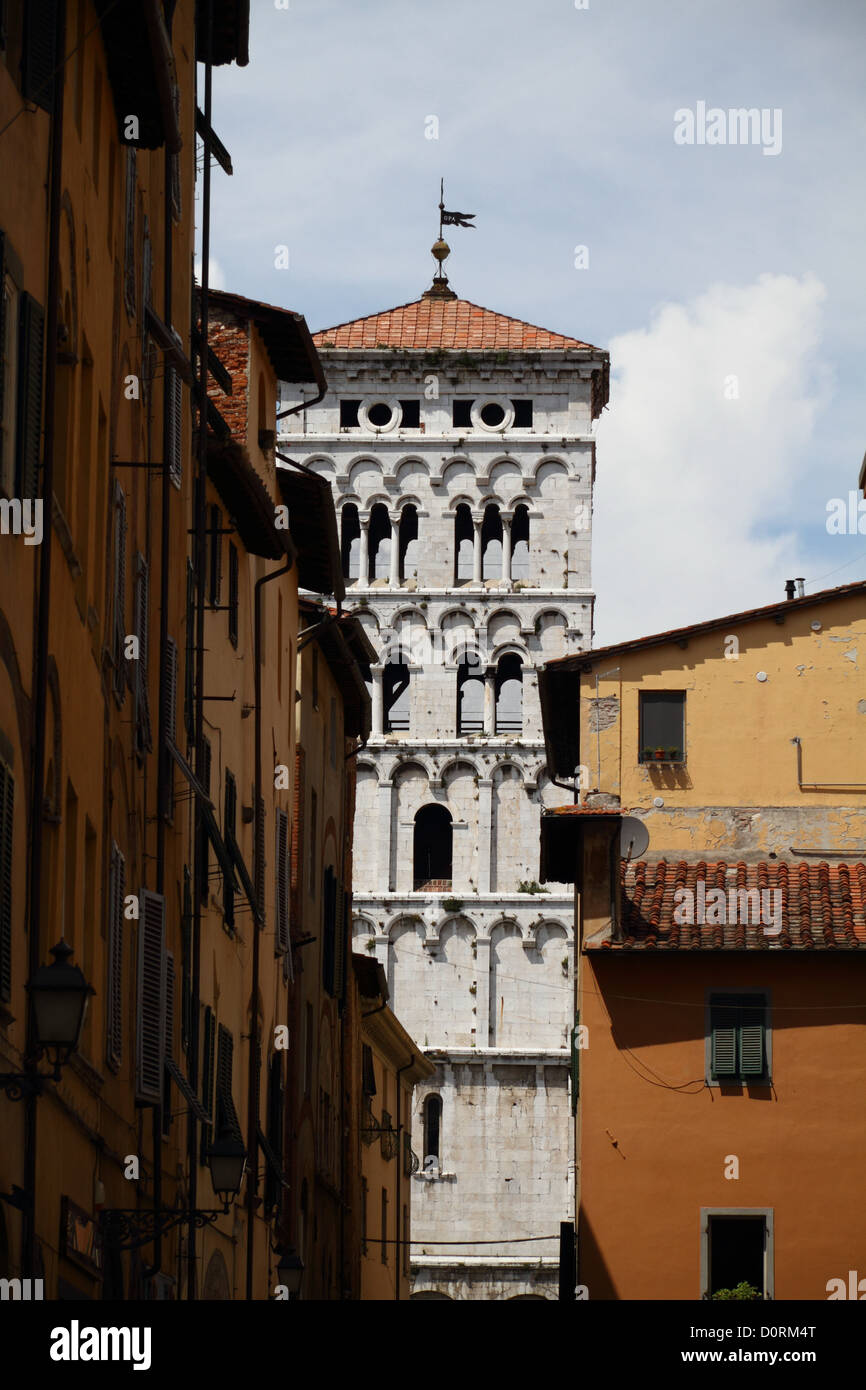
(227, 1159)
(290, 1270)
(59, 994)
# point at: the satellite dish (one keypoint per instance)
(633, 838)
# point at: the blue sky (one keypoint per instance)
(706, 262)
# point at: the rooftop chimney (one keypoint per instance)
(801, 588)
(789, 588)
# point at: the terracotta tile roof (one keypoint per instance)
(444, 323)
(823, 906)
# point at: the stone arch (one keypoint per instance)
(364, 467)
(551, 626)
(363, 927)
(510, 647)
(553, 466)
(456, 470)
(460, 499)
(409, 467)
(502, 470)
(460, 761)
(322, 464)
(400, 765)
(460, 786)
(350, 539)
(509, 824)
(217, 1286)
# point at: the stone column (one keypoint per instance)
(485, 835)
(506, 518)
(394, 575)
(377, 730)
(482, 991)
(384, 876)
(476, 547)
(364, 559)
(490, 700)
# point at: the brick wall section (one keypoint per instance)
(229, 337)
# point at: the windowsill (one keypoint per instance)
(662, 762)
(435, 1177)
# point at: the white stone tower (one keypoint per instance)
(459, 443)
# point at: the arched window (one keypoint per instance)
(491, 543)
(432, 1133)
(463, 544)
(408, 544)
(509, 694)
(432, 850)
(395, 697)
(470, 696)
(350, 541)
(380, 542)
(520, 543)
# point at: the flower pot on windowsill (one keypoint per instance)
(659, 755)
(647, 755)
(674, 755)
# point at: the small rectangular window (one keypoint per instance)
(662, 725)
(410, 415)
(522, 415)
(737, 1043)
(349, 415)
(461, 414)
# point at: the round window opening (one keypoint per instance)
(380, 415)
(492, 414)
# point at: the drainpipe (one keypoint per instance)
(40, 665)
(200, 525)
(258, 877)
(397, 1269)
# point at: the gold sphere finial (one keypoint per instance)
(440, 250)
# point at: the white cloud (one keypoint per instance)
(693, 488)
(217, 275)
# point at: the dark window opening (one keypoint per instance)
(410, 415)
(509, 694)
(408, 544)
(738, 1038)
(380, 414)
(464, 544)
(368, 1073)
(662, 724)
(470, 697)
(491, 543)
(522, 415)
(461, 413)
(520, 544)
(432, 1131)
(350, 541)
(380, 543)
(432, 849)
(492, 414)
(349, 415)
(737, 1247)
(395, 697)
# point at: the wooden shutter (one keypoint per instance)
(30, 348)
(39, 57)
(2, 330)
(144, 740)
(150, 1021)
(282, 882)
(168, 705)
(724, 1042)
(189, 668)
(226, 1116)
(186, 961)
(229, 826)
(233, 594)
(129, 233)
(751, 1039)
(169, 1041)
(203, 857)
(119, 596)
(175, 421)
(114, 1019)
(216, 554)
(7, 794)
(207, 1078)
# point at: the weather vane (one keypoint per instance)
(440, 249)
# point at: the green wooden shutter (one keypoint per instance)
(30, 348)
(114, 1019)
(226, 1116)
(39, 57)
(751, 1039)
(229, 828)
(150, 1032)
(7, 792)
(724, 1043)
(207, 1078)
(203, 857)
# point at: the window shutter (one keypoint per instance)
(275, 1128)
(203, 857)
(175, 422)
(189, 668)
(31, 340)
(751, 1039)
(116, 895)
(144, 738)
(724, 1043)
(129, 233)
(226, 1117)
(150, 1055)
(169, 1041)
(119, 597)
(7, 792)
(216, 555)
(282, 882)
(2, 326)
(168, 703)
(39, 56)
(233, 594)
(230, 806)
(207, 1078)
(186, 958)
(146, 271)
(260, 856)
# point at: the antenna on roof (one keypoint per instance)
(440, 250)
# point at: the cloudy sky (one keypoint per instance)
(727, 284)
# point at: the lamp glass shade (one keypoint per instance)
(227, 1159)
(290, 1271)
(59, 994)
